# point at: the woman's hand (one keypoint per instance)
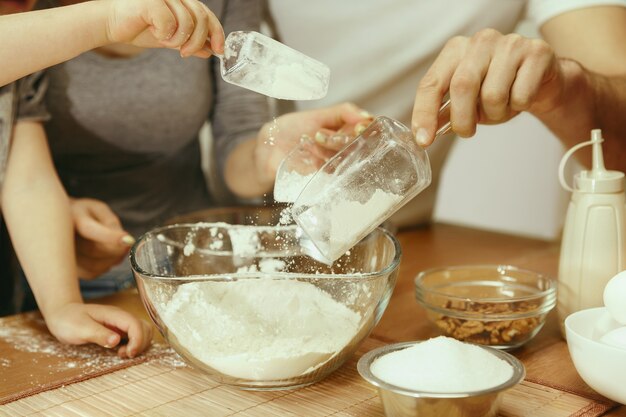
(78, 323)
(187, 25)
(251, 167)
(101, 242)
(331, 128)
(490, 77)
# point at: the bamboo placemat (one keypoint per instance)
(32, 360)
(157, 388)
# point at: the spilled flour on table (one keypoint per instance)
(27, 333)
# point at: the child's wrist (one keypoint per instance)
(52, 306)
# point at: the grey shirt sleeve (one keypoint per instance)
(238, 113)
(7, 112)
(31, 91)
(22, 100)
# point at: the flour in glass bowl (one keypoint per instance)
(259, 329)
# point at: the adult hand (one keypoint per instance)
(78, 323)
(331, 128)
(187, 25)
(101, 242)
(490, 77)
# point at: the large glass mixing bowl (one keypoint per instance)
(242, 304)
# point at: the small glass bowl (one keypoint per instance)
(403, 402)
(496, 305)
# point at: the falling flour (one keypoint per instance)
(244, 241)
(442, 365)
(259, 329)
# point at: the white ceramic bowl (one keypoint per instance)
(601, 366)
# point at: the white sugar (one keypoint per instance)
(442, 365)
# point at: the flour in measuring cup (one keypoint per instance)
(259, 329)
(289, 186)
(338, 223)
(349, 218)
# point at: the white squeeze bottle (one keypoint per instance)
(593, 248)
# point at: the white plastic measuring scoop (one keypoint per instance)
(259, 63)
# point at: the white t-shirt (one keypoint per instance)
(379, 50)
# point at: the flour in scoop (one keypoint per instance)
(289, 185)
(259, 329)
(295, 80)
(442, 365)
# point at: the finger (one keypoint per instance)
(91, 331)
(101, 211)
(161, 20)
(93, 230)
(539, 67)
(198, 37)
(336, 117)
(496, 87)
(184, 24)
(216, 32)
(467, 80)
(139, 334)
(122, 352)
(432, 88)
(100, 224)
(139, 342)
(331, 139)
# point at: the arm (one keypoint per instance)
(37, 214)
(594, 92)
(248, 148)
(238, 116)
(251, 167)
(492, 77)
(72, 30)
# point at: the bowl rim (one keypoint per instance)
(388, 269)
(365, 362)
(419, 288)
(569, 329)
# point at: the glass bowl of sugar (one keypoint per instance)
(245, 305)
(440, 377)
(496, 305)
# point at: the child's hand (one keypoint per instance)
(187, 25)
(101, 242)
(78, 323)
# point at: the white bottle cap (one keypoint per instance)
(598, 179)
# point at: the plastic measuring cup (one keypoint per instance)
(259, 63)
(299, 166)
(361, 186)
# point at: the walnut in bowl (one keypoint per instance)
(496, 305)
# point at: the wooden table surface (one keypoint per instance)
(445, 245)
